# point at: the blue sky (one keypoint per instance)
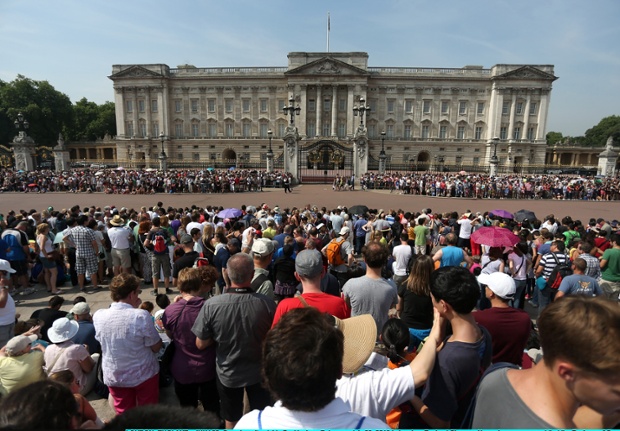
(73, 44)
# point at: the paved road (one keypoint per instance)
(320, 195)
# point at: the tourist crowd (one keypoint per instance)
(149, 181)
(323, 318)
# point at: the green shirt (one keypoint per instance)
(420, 234)
(611, 272)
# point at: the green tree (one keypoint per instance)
(47, 110)
(597, 136)
(554, 137)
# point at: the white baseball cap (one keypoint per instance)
(501, 284)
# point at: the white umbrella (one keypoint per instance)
(150, 170)
(98, 173)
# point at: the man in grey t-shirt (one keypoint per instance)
(372, 294)
(237, 322)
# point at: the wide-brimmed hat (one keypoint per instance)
(18, 343)
(62, 329)
(360, 335)
(117, 220)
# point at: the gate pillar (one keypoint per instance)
(291, 152)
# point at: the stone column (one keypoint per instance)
(119, 103)
(334, 111)
(350, 126)
(61, 156)
(319, 111)
(541, 132)
(526, 115)
(291, 141)
(511, 124)
(303, 102)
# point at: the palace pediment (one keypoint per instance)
(136, 72)
(327, 66)
(527, 72)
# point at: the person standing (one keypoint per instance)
(7, 304)
(157, 241)
(402, 256)
(237, 322)
(86, 250)
(610, 269)
(129, 343)
(121, 239)
(359, 228)
(422, 234)
(372, 294)
(579, 283)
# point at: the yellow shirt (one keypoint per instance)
(19, 371)
(269, 233)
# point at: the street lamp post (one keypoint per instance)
(494, 160)
(382, 155)
(163, 162)
(292, 110)
(269, 153)
(361, 110)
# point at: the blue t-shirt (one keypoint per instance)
(451, 256)
(579, 284)
(359, 224)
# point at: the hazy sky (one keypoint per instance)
(73, 44)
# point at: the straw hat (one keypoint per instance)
(117, 220)
(360, 335)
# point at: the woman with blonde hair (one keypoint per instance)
(208, 248)
(48, 256)
(415, 306)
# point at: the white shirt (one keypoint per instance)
(465, 231)
(119, 237)
(402, 254)
(126, 335)
(192, 225)
(376, 393)
(335, 415)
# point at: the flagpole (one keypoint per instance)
(328, 31)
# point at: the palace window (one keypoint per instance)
(311, 105)
(229, 129)
(142, 128)
(155, 127)
(211, 105)
(407, 133)
(228, 105)
(426, 107)
(129, 104)
(194, 104)
(342, 105)
(409, 106)
(178, 106)
(246, 105)
(517, 133)
(212, 130)
(478, 132)
(342, 129)
(519, 108)
(310, 128)
(445, 105)
(263, 105)
(533, 107)
(154, 105)
(389, 131)
(460, 132)
(195, 129)
(503, 131)
(480, 108)
(264, 127)
(246, 129)
(281, 104)
(178, 130)
(425, 132)
(282, 129)
(141, 105)
(443, 132)
(530, 133)
(327, 105)
(326, 128)
(372, 131)
(129, 127)
(462, 107)
(390, 106)
(505, 108)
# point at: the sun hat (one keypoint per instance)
(18, 343)
(117, 220)
(500, 284)
(360, 335)
(309, 263)
(80, 308)
(6, 266)
(62, 329)
(262, 247)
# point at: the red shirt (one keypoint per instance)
(323, 302)
(509, 328)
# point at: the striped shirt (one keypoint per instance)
(548, 262)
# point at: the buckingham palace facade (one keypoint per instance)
(350, 115)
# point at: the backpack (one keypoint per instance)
(159, 242)
(334, 257)
(560, 271)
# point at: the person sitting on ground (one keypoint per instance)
(580, 367)
(579, 283)
(20, 363)
(301, 361)
(86, 411)
(64, 354)
(49, 314)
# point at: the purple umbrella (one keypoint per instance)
(230, 213)
(502, 214)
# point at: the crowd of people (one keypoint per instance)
(142, 181)
(320, 318)
(441, 184)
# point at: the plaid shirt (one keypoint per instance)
(83, 238)
(594, 266)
